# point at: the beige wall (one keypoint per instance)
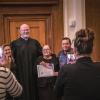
(73, 16)
(80, 14)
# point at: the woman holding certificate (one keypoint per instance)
(47, 71)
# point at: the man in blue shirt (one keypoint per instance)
(66, 48)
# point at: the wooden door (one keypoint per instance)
(40, 26)
(37, 27)
(45, 19)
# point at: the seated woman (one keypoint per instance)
(47, 74)
(8, 82)
(8, 55)
(7, 52)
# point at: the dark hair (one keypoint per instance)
(66, 38)
(84, 41)
(5, 45)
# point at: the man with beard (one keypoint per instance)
(26, 51)
(66, 48)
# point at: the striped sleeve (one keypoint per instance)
(2, 84)
(12, 85)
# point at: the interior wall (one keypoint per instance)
(74, 16)
(53, 8)
(93, 21)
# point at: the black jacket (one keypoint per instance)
(79, 81)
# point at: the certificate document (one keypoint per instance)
(44, 71)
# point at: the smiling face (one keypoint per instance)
(24, 31)
(7, 51)
(46, 51)
(66, 45)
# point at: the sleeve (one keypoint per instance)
(12, 85)
(59, 54)
(13, 48)
(58, 67)
(13, 67)
(39, 49)
(39, 59)
(59, 85)
(56, 63)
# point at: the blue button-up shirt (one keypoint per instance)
(62, 58)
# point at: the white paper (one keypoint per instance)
(45, 71)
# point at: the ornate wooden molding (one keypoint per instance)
(55, 2)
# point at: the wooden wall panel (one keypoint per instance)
(38, 25)
(2, 36)
(28, 0)
(58, 32)
(31, 2)
(93, 21)
(52, 17)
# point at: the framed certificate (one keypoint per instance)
(44, 71)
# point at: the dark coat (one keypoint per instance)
(46, 84)
(79, 81)
(25, 54)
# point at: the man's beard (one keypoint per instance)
(68, 50)
(25, 37)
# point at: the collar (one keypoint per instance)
(84, 59)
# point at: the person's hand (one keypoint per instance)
(43, 63)
(71, 62)
(3, 62)
(55, 73)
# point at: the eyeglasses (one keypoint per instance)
(25, 29)
(46, 49)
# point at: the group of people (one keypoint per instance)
(42, 75)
